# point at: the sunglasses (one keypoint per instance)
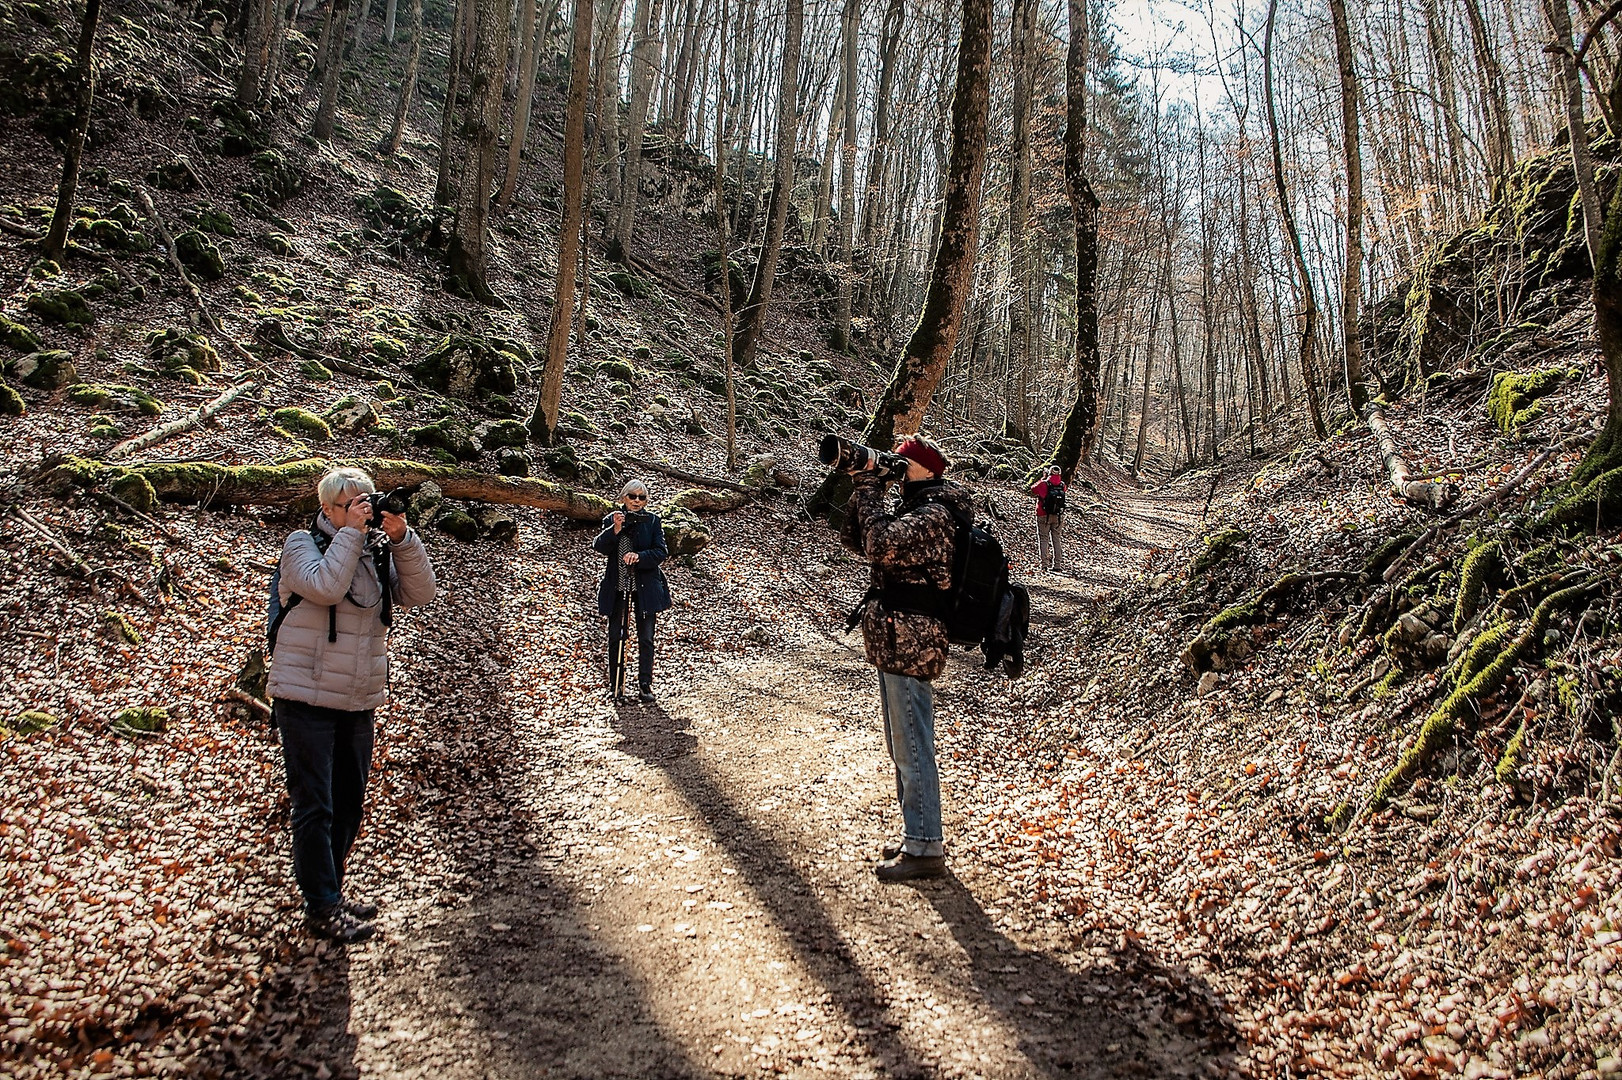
(636, 498)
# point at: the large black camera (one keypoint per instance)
(397, 501)
(845, 456)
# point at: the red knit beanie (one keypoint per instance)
(924, 454)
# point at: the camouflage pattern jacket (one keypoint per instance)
(912, 546)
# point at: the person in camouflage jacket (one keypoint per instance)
(910, 547)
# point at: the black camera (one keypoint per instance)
(845, 456)
(397, 501)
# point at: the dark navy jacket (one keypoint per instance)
(648, 541)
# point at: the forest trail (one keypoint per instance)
(686, 889)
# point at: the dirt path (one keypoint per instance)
(686, 889)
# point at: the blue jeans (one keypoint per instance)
(328, 753)
(909, 735)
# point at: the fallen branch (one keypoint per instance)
(201, 415)
(685, 476)
(151, 211)
(259, 708)
(17, 228)
(1425, 492)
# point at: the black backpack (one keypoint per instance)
(982, 606)
(1053, 500)
(276, 611)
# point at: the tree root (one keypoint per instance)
(1482, 671)
(1478, 566)
(1208, 650)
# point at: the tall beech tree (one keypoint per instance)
(753, 314)
(1351, 303)
(408, 85)
(530, 49)
(470, 238)
(644, 57)
(901, 408)
(56, 237)
(326, 113)
(543, 423)
(1080, 430)
(851, 20)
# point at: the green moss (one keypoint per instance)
(1594, 505)
(1218, 547)
(182, 354)
(17, 336)
(11, 402)
(1387, 553)
(1511, 403)
(141, 720)
(61, 306)
(457, 523)
(1478, 566)
(387, 347)
(134, 489)
(315, 371)
(115, 396)
(215, 221)
(301, 422)
(619, 370)
(505, 433)
(448, 435)
(119, 625)
(30, 721)
(1509, 762)
(102, 427)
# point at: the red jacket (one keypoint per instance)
(1040, 490)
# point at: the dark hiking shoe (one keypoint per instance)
(336, 924)
(645, 696)
(889, 851)
(906, 867)
(359, 909)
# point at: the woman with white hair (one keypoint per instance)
(329, 675)
(634, 541)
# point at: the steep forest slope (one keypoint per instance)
(1301, 780)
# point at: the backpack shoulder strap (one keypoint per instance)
(322, 542)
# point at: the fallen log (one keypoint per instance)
(211, 484)
(201, 415)
(1424, 492)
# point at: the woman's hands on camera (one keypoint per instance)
(619, 519)
(394, 526)
(358, 513)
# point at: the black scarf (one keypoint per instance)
(913, 492)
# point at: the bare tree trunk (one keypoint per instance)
(823, 209)
(408, 86)
(644, 58)
(468, 255)
(1023, 38)
(1352, 286)
(1077, 439)
(901, 409)
(262, 23)
(461, 28)
(1494, 96)
(723, 243)
(1148, 376)
(543, 422)
(606, 98)
(56, 237)
(847, 181)
(326, 114)
(681, 103)
(390, 10)
(879, 154)
(278, 48)
(530, 46)
(753, 315)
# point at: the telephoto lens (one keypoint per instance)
(845, 456)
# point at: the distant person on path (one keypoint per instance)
(330, 674)
(634, 541)
(910, 552)
(1050, 495)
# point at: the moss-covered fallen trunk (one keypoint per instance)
(1481, 672)
(281, 485)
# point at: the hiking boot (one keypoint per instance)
(906, 867)
(645, 696)
(336, 924)
(363, 910)
(889, 851)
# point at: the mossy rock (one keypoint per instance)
(198, 254)
(32, 721)
(241, 130)
(387, 347)
(495, 524)
(115, 396)
(102, 427)
(175, 351)
(14, 335)
(1513, 400)
(504, 433)
(449, 435)
(11, 402)
(561, 462)
(629, 284)
(620, 370)
(511, 462)
(1219, 547)
(116, 236)
(425, 503)
(48, 370)
(134, 489)
(276, 243)
(462, 364)
(301, 422)
(176, 174)
(457, 523)
(385, 390)
(117, 625)
(685, 534)
(1594, 505)
(351, 415)
(315, 371)
(276, 179)
(63, 306)
(218, 222)
(141, 720)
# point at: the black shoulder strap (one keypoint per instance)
(960, 542)
(322, 542)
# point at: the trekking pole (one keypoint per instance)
(627, 586)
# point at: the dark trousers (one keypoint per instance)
(644, 644)
(328, 754)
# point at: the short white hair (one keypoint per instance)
(342, 481)
(633, 485)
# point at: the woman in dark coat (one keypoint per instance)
(634, 541)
